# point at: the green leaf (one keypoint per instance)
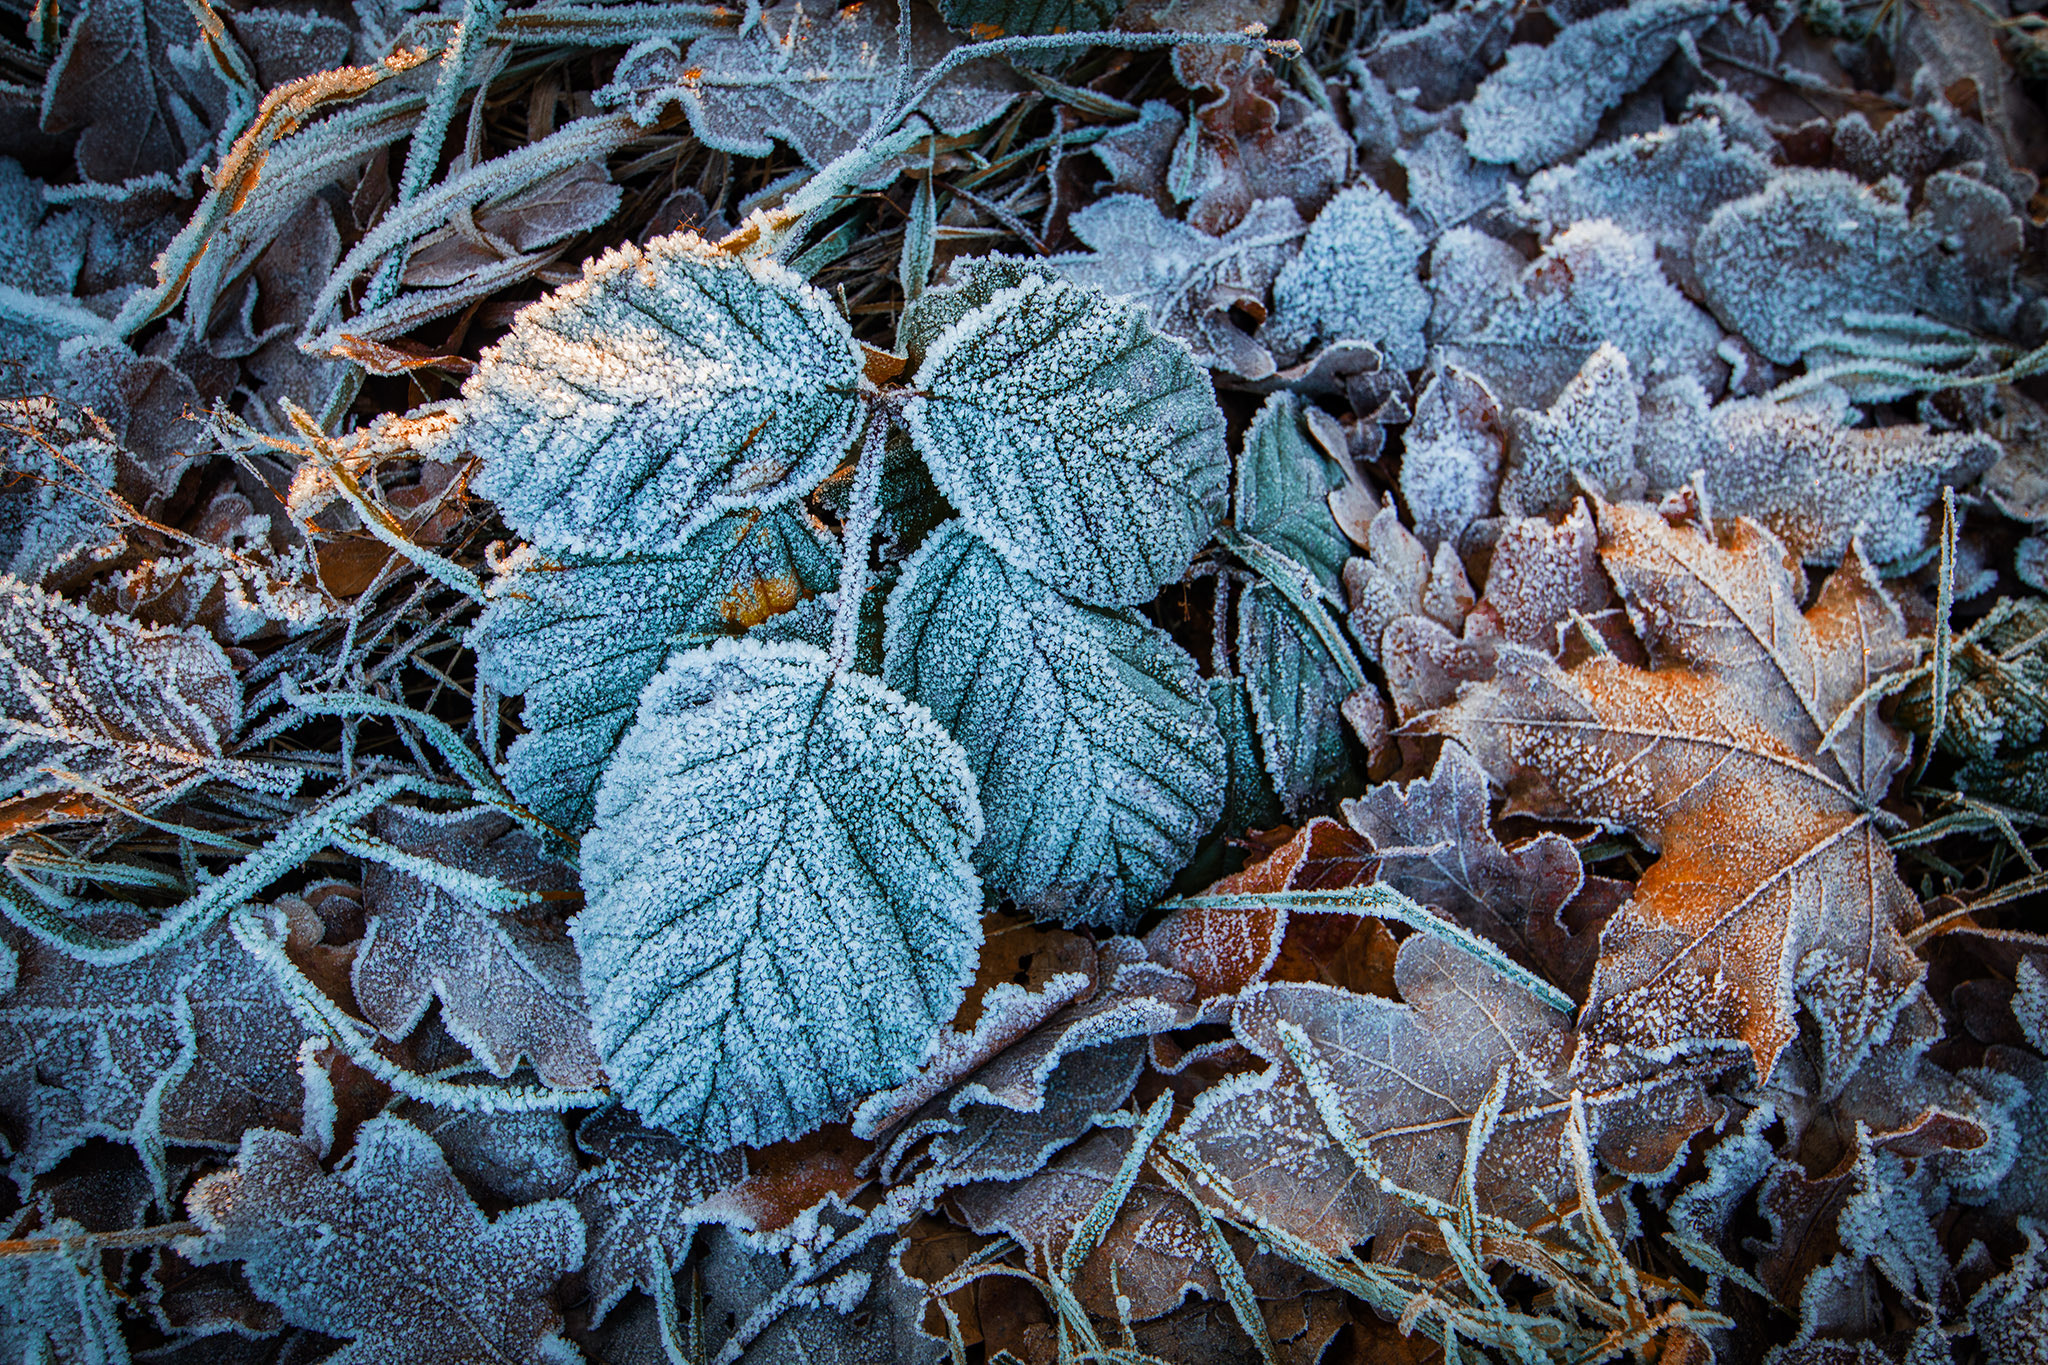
(781, 907)
(626, 411)
(1081, 445)
(1295, 683)
(579, 636)
(1099, 760)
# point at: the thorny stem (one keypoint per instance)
(857, 534)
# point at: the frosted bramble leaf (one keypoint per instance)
(1587, 438)
(1816, 255)
(1450, 470)
(1661, 185)
(1028, 16)
(626, 411)
(388, 1250)
(1355, 280)
(1088, 731)
(189, 1045)
(807, 75)
(1155, 1243)
(1753, 757)
(579, 635)
(1545, 102)
(1409, 1078)
(507, 983)
(1080, 444)
(142, 711)
(1805, 474)
(1594, 282)
(1295, 687)
(1187, 281)
(781, 910)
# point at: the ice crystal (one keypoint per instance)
(1098, 760)
(781, 907)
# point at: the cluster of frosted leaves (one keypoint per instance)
(781, 907)
(1188, 281)
(508, 984)
(388, 1251)
(806, 75)
(1088, 731)
(1081, 445)
(1294, 683)
(579, 636)
(1408, 1077)
(1545, 102)
(627, 411)
(143, 713)
(1817, 255)
(1752, 757)
(189, 1045)
(1355, 280)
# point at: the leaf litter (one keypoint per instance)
(1196, 681)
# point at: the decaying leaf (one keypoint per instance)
(388, 1250)
(1251, 138)
(507, 983)
(1753, 757)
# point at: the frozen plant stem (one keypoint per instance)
(857, 533)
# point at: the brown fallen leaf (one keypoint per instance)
(1751, 754)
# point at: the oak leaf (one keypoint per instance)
(1752, 756)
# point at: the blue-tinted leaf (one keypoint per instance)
(1355, 280)
(1083, 446)
(626, 411)
(1295, 684)
(1248, 801)
(580, 636)
(1098, 757)
(781, 907)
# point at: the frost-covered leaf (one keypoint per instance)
(507, 983)
(579, 636)
(1446, 187)
(1997, 709)
(55, 476)
(865, 1311)
(529, 218)
(1528, 334)
(1154, 1248)
(1513, 896)
(1816, 256)
(1410, 1077)
(1800, 469)
(1661, 185)
(1355, 280)
(1188, 281)
(808, 75)
(1080, 444)
(189, 1045)
(139, 711)
(781, 908)
(57, 1308)
(1090, 736)
(1587, 439)
(1295, 686)
(1545, 102)
(114, 81)
(642, 1202)
(1451, 467)
(388, 1250)
(1752, 757)
(1250, 138)
(626, 411)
